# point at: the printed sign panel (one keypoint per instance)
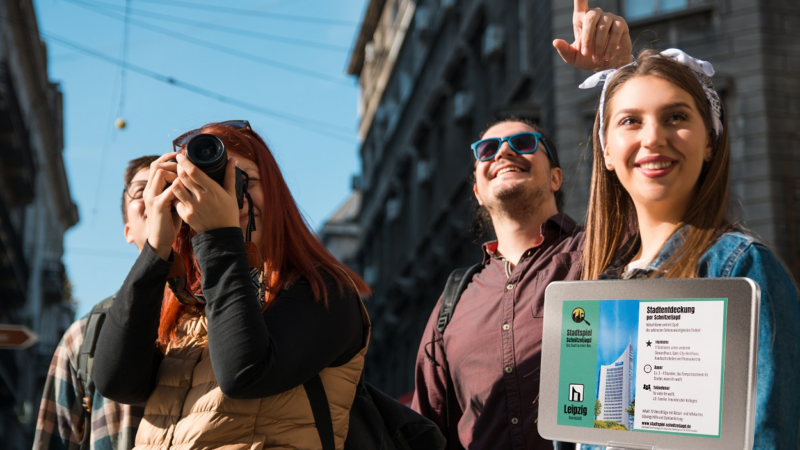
(651, 366)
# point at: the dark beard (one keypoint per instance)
(519, 201)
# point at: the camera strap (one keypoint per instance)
(251, 222)
(177, 279)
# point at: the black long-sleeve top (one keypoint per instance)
(253, 355)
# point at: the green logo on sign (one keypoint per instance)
(579, 315)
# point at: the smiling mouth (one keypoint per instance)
(656, 165)
(507, 170)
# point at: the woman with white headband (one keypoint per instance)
(659, 208)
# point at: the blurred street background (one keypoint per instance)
(369, 107)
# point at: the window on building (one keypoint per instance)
(637, 9)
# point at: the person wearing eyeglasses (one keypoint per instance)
(72, 414)
(255, 315)
(477, 377)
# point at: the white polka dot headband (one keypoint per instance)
(703, 69)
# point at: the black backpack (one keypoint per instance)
(377, 421)
(380, 422)
(457, 283)
(86, 360)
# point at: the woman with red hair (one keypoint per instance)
(228, 312)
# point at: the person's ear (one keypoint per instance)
(708, 153)
(477, 196)
(607, 158)
(128, 234)
(556, 178)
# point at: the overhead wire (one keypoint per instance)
(220, 48)
(225, 29)
(123, 71)
(121, 82)
(250, 12)
(332, 131)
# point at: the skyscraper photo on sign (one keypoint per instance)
(616, 389)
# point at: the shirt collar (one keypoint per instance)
(623, 256)
(556, 226)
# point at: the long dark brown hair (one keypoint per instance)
(611, 218)
(289, 249)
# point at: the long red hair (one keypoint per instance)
(289, 249)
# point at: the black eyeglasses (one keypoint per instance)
(183, 139)
(135, 190)
(521, 143)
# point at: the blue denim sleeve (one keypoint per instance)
(778, 386)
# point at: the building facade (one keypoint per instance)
(615, 389)
(35, 211)
(433, 73)
(340, 233)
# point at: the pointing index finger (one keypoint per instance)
(581, 6)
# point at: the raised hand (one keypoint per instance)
(602, 40)
(202, 202)
(162, 222)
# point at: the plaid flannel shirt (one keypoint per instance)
(61, 414)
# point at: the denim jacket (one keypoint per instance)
(736, 254)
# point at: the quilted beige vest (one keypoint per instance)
(187, 409)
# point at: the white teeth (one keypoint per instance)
(507, 169)
(655, 165)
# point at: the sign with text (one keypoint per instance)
(653, 365)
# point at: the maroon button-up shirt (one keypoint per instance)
(493, 345)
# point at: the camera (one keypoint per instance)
(208, 153)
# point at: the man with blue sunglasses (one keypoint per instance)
(477, 371)
(478, 378)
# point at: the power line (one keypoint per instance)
(250, 12)
(120, 80)
(220, 48)
(231, 30)
(123, 72)
(334, 131)
(298, 121)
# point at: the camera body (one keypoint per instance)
(208, 153)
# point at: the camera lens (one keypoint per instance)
(204, 149)
(207, 152)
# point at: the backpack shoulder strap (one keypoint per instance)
(86, 360)
(315, 391)
(92, 331)
(457, 283)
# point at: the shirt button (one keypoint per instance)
(184, 383)
(509, 369)
(506, 327)
(510, 287)
(514, 421)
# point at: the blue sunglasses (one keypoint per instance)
(522, 143)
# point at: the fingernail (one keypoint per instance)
(179, 157)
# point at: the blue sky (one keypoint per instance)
(618, 326)
(285, 59)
